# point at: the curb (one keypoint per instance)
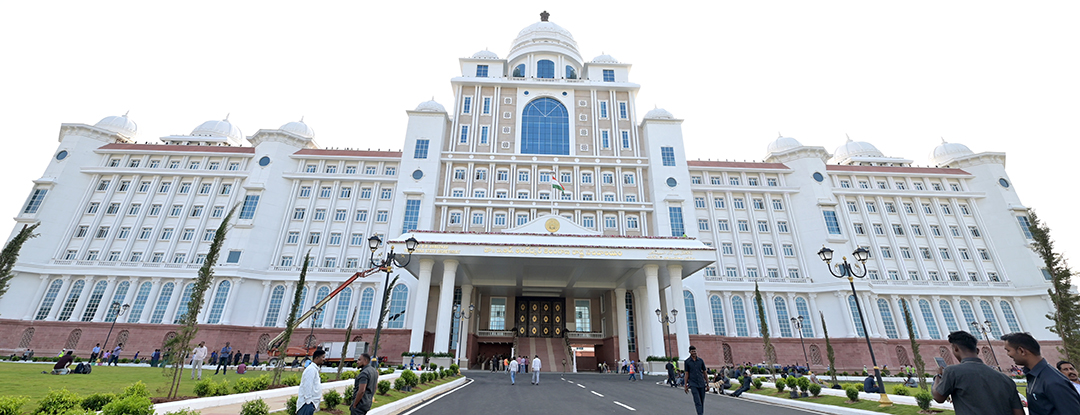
(400, 405)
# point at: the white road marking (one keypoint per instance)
(597, 394)
(624, 406)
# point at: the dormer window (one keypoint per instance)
(545, 69)
(481, 71)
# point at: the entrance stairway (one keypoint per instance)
(552, 351)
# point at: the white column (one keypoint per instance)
(174, 301)
(935, 301)
(420, 305)
(446, 306)
(80, 305)
(230, 300)
(682, 334)
(290, 295)
(620, 323)
(463, 330)
(31, 310)
(815, 317)
(106, 300)
(652, 287)
(151, 300)
(916, 314)
(58, 302)
(264, 304)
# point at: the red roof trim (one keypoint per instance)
(179, 148)
(896, 169)
(736, 164)
(350, 153)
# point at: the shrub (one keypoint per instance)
(923, 399)
(290, 406)
(900, 390)
(757, 383)
(131, 405)
(136, 389)
(12, 405)
(384, 387)
(95, 401)
(350, 394)
(185, 411)
(204, 388)
(780, 385)
(852, 394)
(332, 399)
(256, 407)
(221, 389)
(57, 402)
(291, 380)
(399, 384)
(815, 389)
(455, 369)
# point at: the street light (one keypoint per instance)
(387, 264)
(116, 310)
(666, 321)
(797, 322)
(311, 336)
(461, 316)
(986, 328)
(851, 272)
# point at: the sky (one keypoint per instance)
(994, 76)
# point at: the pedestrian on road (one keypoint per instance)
(513, 370)
(536, 365)
(696, 379)
(310, 394)
(1048, 392)
(975, 388)
(198, 355)
(223, 359)
(364, 385)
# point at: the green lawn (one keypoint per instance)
(838, 401)
(26, 379)
(391, 396)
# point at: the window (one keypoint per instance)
(744, 225)
(248, 209)
(582, 318)
(667, 154)
(609, 75)
(727, 249)
(831, 222)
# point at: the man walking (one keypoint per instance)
(223, 359)
(695, 379)
(198, 355)
(975, 388)
(310, 394)
(536, 369)
(364, 385)
(513, 370)
(1048, 392)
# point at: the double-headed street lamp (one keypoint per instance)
(116, 310)
(986, 328)
(851, 272)
(460, 315)
(666, 321)
(387, 264)
(797, 323)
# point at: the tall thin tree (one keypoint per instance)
(1065, 318)
(10, 255)
(290, 324)
(829, 349)
(189, 322)
(920, 366)
(770, 353)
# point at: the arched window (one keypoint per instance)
(969, 313)
(72, 298)
(691, 312)
(782, 316)
(319, 296)
(162, 303)
(367, 298)
(399, 299)
(139, 304)
(988, 312)
(804, 312)
(519, 71)
(49, 299)
(185, 298)
(739, 312)
(1010, 317)
(950, 318)
(631, 337)
(928, 317)
(887, 319)
(95, 300)
(118, 297)
(545, 69)
(218, 307)
(854, 307)
(273, 310)
(344, 300)
(571, 73)
(545, 128)
(717, 306)
(914, 325)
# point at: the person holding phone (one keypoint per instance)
(975, 388)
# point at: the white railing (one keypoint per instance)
(495, 333)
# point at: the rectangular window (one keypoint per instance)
(609, 75)
(831, 223)
(582, 318)
(412, 215)
(676, 217)
(482, 72)
(250, 203)
(466, 105)
(667, 154)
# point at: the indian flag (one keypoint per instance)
(556, 185)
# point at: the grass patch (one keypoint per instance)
(842, 401)
(391, 396)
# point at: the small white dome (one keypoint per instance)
(856, 149)
(659, 113)
(121, 125)
(485, 54)
(430, 106)
(299, 128)
(216, 128)
(605, 58)
(946, 152)
(782, 143)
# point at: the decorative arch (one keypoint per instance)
(264, 343)
(729, 358)
(545, 127)
(27, 336)
(73, 339)
(815, 355)
(902, 356)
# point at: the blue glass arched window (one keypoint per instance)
(366, 301)
(399, 298)
(571, 73)
(545, 128)
(545, 69)
(691, 312)
(519, 71)
(717, 306)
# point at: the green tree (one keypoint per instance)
(920, 366)
(828, 348)
(290, 324)
(189, 322)
(1065, 317)
(10, 255)
(770, 353)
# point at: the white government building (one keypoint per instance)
(638, 227)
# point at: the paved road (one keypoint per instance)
(582, 393)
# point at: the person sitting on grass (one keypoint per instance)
(61, 366)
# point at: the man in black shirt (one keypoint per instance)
(695, 379)
(1048, 392)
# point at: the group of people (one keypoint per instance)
(365, 384)
(521, 364)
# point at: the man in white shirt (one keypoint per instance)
(536, 369)
(310, 386)
(513, 370)
(198, 355)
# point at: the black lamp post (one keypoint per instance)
(851, 272)
(311, 336)
(460, 315)
(387, 264)
(797, 323)
(116, 310)
(986, 328)
(666, 321)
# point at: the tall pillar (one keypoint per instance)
(58, 302)
(80, 304)
(446, 306)
(174, 301)
(151, 301)
(31, 310)
(106, 300)
(924, 331)
(230, 300)
(620, 323)
(682, 334)
(656, 330)
(463, 330)
(420, 305)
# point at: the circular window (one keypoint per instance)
(62, 155)
(417, 174)
(264, 161)
(819, 177)
(671, 182)
(1004, 183)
